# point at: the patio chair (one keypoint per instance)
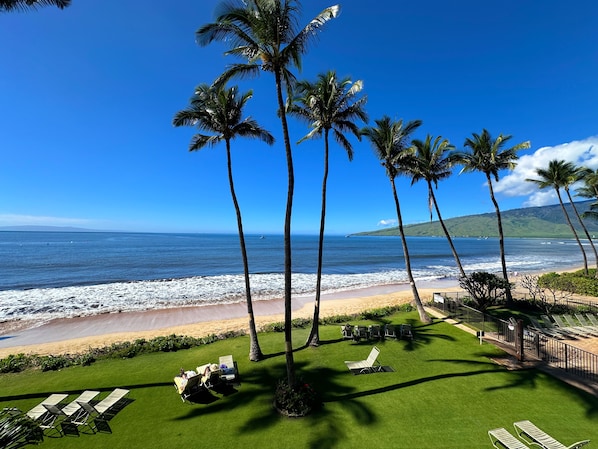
(40, 414)
(585, 322)
(368, 365)
(70, 411)
(567, 333)
(501, 438)
(104, 409)
(187, 387)
(592, 319)
(533, 434)
(406, 331)
(560, 322)
(375, 332)
(390, 331)
(535, 325)
(361, 332)
(209, 374)
(228, 368)
(347, 331)
(571, 322)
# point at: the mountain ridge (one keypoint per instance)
(531, 222)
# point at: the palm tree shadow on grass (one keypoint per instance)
(525, 377)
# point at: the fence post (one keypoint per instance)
(519, 340)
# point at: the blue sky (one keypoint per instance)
(88, 95)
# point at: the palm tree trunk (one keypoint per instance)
(290, 363)
(314, 335)
(255, 353)
(585, 258)
(448, 236)
(423, 316)
(501, 241)
(584, 230)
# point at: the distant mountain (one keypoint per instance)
(46, 228)
(544, 221)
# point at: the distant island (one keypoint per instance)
(528, 222)
(36, 228)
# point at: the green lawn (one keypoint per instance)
(445, 392)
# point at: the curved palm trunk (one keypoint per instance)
(314, 335)
(448, 236)
(255, 353)
(423, 316)
(585, 230)
(290, 363)
(501, 241)
(585, 258)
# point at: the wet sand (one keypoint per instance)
(75, 335)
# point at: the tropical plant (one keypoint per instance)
(490, 156)
(264, 32)
(576, 175)
(219, 110)
(389, 141)
(557, 175)
(486, 289)
(432, 163)
(328, 105)
(24, 5)
(18, 430)
(590, 190)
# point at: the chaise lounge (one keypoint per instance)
(528, 431)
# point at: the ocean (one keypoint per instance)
(48, 275)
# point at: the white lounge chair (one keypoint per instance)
(72, 411)
(103, 410)
(585, 322)
(501, 438)
(347, 331)
(560, 321)
(368, 365)
(528, 431)
(39, 413)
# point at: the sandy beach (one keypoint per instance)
(75, 335)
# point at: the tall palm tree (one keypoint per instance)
(576, 174)
(328, 105)
(557, 175)
(590, 190)
(389, 141)
(24, 5)
(490, 156)
(432, 163)
(264, 32)
(219, 110)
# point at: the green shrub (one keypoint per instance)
(53, 363)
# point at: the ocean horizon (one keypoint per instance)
(54, 274)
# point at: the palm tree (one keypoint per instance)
(557, 175)
(264, 33)
(24, 5)
(329, 105)
(432, 164)
(576, 174)
(389, 141)
(590, 190)
(219, 110)
(490, 156)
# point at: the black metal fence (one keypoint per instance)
(555, 353)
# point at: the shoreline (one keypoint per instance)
(79, 334)
(74, 335)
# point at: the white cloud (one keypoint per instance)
(388, 222)
(579, 152)
(35, 220)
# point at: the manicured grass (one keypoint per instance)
(445, 392)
